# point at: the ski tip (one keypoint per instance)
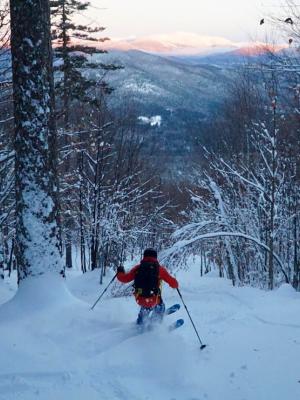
(172, 309)
(176, 324)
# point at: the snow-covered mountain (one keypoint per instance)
(175, 43)
(189, 44)
(256, 53)
(182, 78)
(181, 95)
(166, 83)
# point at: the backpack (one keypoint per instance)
(146, 280)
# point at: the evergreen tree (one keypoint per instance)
(73, 50)
(74, 46)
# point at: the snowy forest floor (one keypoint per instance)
(54, 347)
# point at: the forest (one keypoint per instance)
(237, 207)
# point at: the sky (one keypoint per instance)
(233, 19)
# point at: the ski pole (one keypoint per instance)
(104, 291)
(202, 345)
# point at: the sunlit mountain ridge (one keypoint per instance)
(186, 43)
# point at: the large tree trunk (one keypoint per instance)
(37, 244)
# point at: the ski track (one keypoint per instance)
(71, 352)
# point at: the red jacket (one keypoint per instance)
(163, 276)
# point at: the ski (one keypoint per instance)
(149, 324)
(172, 309)
(176, 325)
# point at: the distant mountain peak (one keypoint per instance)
(187, 43)
(180, 43)
(258, 49)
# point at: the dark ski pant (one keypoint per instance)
(151, 314)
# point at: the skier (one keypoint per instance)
(147, 277)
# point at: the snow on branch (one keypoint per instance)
(168, 253)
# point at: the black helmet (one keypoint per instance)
(150, 253)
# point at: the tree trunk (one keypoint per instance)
(69, 261)
(37, 242)
(1, 262)
(82, 240)
(11, 255)
(272, 205)
(296, 275)
(201, 261)
(94, 254)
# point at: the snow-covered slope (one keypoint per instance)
(182, 95)
(60, 349)
(160, 83)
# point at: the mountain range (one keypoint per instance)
(180, 82)
(188, 44)
(164, 83)
(171, 98)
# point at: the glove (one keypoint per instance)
(174, 283)
(120, 269)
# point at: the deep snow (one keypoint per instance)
(54, 347)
